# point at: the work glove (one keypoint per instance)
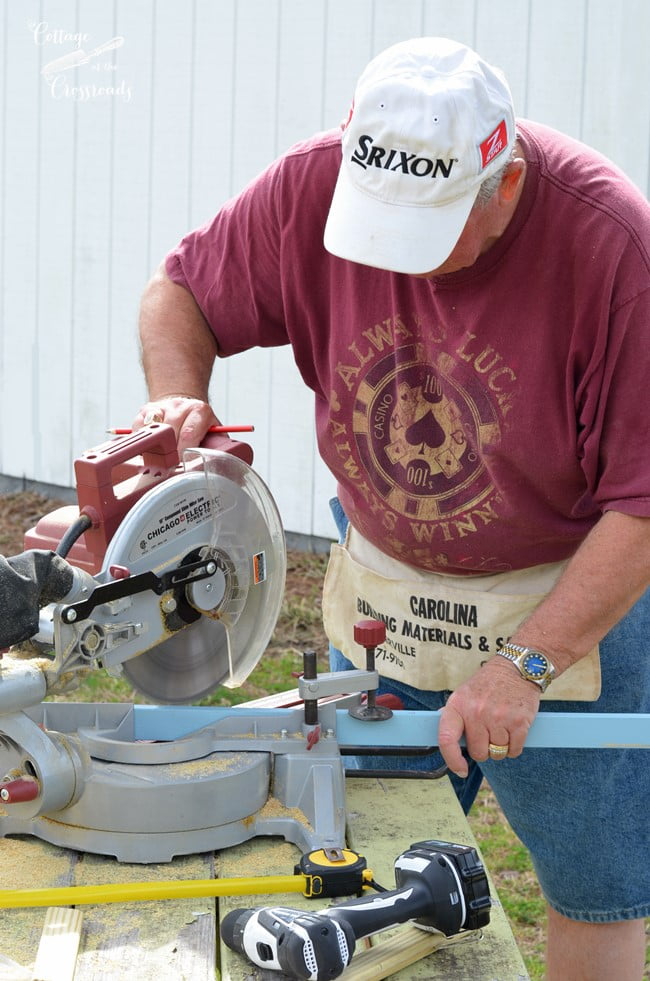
(28, 582)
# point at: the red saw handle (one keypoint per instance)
(111, 477)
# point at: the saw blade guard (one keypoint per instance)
(234, 612)
(248, 542)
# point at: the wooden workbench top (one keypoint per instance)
(178, 939)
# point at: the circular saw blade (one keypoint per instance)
(220, 508)
(184, 668)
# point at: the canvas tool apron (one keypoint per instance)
(440, 629)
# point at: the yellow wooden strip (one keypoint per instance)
(401, 949)
(56, 957)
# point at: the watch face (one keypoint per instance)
(535, 665)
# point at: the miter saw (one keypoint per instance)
(179, 571)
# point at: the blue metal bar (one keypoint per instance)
(560, 730)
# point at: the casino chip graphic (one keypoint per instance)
(421, 431)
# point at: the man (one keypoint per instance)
(468, 298)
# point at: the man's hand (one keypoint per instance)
(607, 574)
(190, 417)
(496, 705)
(28, 582)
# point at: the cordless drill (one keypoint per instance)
(440, 886)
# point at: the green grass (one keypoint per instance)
(273, 674)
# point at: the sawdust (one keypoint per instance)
(205, 767)
(276, 809)
(97, 869)
(28, 864)
(20, 934)
(142, 926)
(250, 859)
(145, 926)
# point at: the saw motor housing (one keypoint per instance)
(187, 561)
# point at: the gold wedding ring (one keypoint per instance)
(497, 752)
(156, 416)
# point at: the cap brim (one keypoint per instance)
(399, 238)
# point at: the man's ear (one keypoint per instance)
(512, 180)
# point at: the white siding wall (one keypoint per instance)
(95, 188)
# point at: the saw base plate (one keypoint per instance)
(147, 801)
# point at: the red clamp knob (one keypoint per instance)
(18, 791)
(370, 633)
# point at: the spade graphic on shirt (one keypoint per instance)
(426, 433)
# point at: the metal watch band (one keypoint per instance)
(515, 653)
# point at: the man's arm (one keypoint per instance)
(178, 350)
(606, 576)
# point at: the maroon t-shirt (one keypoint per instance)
(481, 421)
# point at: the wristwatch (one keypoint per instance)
(532, 665)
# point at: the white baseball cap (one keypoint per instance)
(429, 123)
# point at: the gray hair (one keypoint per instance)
(491, 184)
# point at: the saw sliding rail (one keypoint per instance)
(550, 730)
